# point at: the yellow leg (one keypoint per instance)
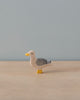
(39, 71)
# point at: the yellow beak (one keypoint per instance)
(27, 54)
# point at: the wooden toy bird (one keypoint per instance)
(38, 63)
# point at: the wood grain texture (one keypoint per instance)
(19, 81)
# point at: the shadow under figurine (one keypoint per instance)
(38, 63)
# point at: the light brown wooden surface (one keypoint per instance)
(19, 81)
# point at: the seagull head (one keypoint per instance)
(30, 53)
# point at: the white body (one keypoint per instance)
(33, 60)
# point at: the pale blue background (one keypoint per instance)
(50, 27)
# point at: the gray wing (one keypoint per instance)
(41, 61)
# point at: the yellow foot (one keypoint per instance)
(39, 71)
